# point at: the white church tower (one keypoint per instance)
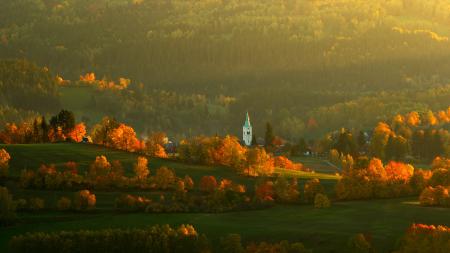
(247, 131)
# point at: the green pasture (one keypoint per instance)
(324, 230)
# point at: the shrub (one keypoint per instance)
(283, 246)
(84, 200)
(164, 178)
(64, 204)
(425, 238)
(21, 204)
(7, 207)
(208, 184)
(321, 201)
(152, 239)
(438, 196)
(231, 244)
(4, 160)
(36, 204)
(127, 201)
(359, 244)
(188, 183)
(311, 189)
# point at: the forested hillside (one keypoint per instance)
(197, 66)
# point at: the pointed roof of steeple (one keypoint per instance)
(247, 121)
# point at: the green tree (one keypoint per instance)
(64, 120)
(269, 137)
(231, 244)
(7, 207)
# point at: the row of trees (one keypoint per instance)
(405, 137)
(101, 174)
(152, 239)
(425, 238)
(227, 151)
(365, 179)
(62, 127)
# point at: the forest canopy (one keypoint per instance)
(197, 66)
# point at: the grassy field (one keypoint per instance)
(322, 230)
(31, 156)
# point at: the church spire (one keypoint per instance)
(247, 121)
(247, 131)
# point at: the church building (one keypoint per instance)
(247, 131)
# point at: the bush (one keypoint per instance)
(36, 204)
(64, 204)
(84, 200)
(425, 238)
(231, 244)
(4, 160)
(127, 201)
(359, 244)
(321, 201)
(153, 239)
(164, 178)
(437, 196)
(311, 189)
(21, 204)
(7, 207)
(208, 184)
(283, 246)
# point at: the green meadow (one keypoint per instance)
(323, 230)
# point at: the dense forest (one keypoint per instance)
(194, 67)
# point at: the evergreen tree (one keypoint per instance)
(36, 132)
(269, 137)
(65, 120)
(254, 142)
(45, 128)
(361, 140)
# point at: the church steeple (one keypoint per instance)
(247, 121)
(247, 131)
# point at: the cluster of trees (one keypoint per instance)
(228, 151)
(152, 239)
(435, 196)
(425, 238)
(437, 191)
(61, 127)
(366, 179)
(211, 196)
(405, 137)
(283, 190)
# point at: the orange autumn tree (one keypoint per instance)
(100, 167)
(413, 119)
(208, 184)
(259, 162)
(264, 190)
(141, 168)
(154, 145)
(78, 132)
(285, 163)
(124, 138)
(4, 162)
(229, 152)
(88, 78)
(399, 172)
